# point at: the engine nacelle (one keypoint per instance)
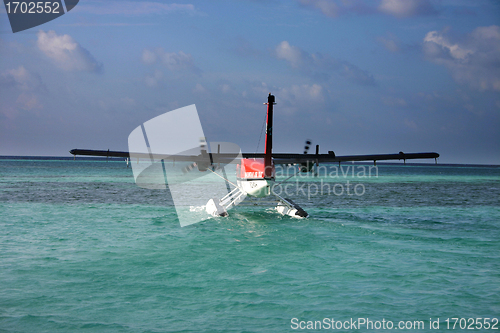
(306, 167)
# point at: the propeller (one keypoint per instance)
(201, 166)
(307, 146)
(189, 168)
(207, 161)
(306, 167)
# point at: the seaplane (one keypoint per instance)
(255, 172)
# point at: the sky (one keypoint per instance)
(355, 77)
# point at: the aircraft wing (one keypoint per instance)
(126, 154)
(284, 158)
(103, 153)
(279, 158)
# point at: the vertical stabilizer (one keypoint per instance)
(268, 168)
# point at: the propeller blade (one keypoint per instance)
(189, 168)
(306, 167)
(307, 146)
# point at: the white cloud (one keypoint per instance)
(177, 61)
(129, 102)
(327, 7)
(321, 66)
(437, 39)
(153, 79)
(28, 102)
(472, 59)
(389, 44)
(171, 60)
(356, 75)
(112, 104)
(394, 101)
(245, 49)
(131, 7)
(308, 92)
(393, 44)
(292, 98)
(199, 89)
(406, 8)
(398, 8)
(158, 59)
(335, 8)
(148, 57)
(66, 53)
(302, 94)
(410, 124)
(21, 90)
(21, 78)
(292, 54)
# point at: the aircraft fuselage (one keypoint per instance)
(251, 177)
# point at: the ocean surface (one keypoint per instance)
(83, 249)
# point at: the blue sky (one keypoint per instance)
(355, 77)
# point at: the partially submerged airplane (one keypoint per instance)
(255, 172)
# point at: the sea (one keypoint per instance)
(405, 248)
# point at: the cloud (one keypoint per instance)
(22, 79)
(132, 8)
(28, 102)
(199, 89)
(356, 75)
(327, 7)
(148, 57)
(438, 42)
(175, 62)
(110, 103)
(398, 8)
(407, 8)
(172, 61)
(20, 90)
(322, 67)
(178, 61)
(472, 59)
(389, 44)
(394, 101)
(303, 93)
(294, 93)
(153, 79)
(243, 48)
(294, 55)
(332, 8)
(393, 44)
(66, 53)
(410, 124)
(293, 98)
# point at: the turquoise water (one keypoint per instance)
(82, 248)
